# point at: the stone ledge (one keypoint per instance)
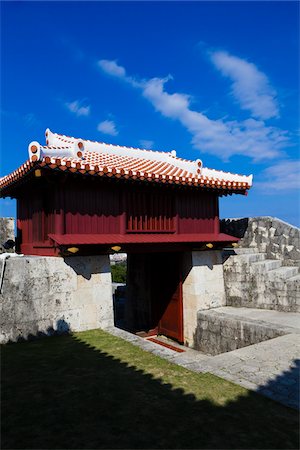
(219, 331)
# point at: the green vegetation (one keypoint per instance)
(92, 390)
(118, 272)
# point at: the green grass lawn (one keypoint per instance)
(92, 390)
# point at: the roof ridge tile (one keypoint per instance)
(79, 157)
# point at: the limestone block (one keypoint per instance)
(62, 281)
(88, 316)
(190, 325)
(203, 287)
(102, 298)
(83, 296)
(6, 232)
(190, 289)
(44, 293)
(15, 268)
(7, 309)
(36, 266)
(69, 319)
(46, 326)
(236, 290)
(45, 266)
(101, 278)
(218, 332)
(38, 287)
(55, 304)
(293, 252)
(265, 285)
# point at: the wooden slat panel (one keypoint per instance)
(197, 213)
(149, 211)
(91, 210)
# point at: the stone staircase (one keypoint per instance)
(262, 288)
(253, 280)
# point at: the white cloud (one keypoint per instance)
(108, 127)
(250, 86)
(112, 68)
(282, 176)
(77, 108)
(221, 137)
(146, 144)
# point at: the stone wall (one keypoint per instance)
(264, 271)
(218, 333)
(253, 281)
(7, 225)
(203, 287)
(278, 239)
(48, 294)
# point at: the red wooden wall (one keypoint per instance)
(86, 207)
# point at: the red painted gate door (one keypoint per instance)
(171, 317)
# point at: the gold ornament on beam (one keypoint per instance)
(116, 248)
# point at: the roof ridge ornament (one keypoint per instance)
(75, 150)
(90, 155)
(170, 157)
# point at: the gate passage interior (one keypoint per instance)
(81, 197)
(154, 294)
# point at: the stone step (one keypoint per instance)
(266, 265)
(295, 279)
(283, 273)
(248, 258)
(243, 250)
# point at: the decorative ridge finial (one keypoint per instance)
(54, 147)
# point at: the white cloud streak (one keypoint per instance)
(112, 68)
(77, 108)
(282, 176)
(108, 127)
(250, 87)
(221, 138)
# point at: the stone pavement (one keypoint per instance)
(270, 368)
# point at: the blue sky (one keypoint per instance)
(213, 80)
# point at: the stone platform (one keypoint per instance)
(227, 328)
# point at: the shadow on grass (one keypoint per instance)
(61, 393)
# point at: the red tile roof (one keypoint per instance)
(98, 159)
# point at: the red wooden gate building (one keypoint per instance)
(76, 195)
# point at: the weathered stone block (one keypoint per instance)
(203, 287)
(7, 225)
(43, 294)
(224, 332)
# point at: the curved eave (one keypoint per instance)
(21, 174)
